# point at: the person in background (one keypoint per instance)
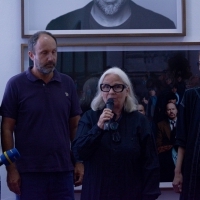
(150, 103)
(118, 14)
(193, 81)
(89, 91)
(165, 141)
(174, 90)
(40, 113)
(141, 109)
(187, 171)
(171, 97)
(160, 112)
(116, 145)
(162, 99)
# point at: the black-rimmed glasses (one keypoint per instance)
(116, 88)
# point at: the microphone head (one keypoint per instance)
(10, 156)
(110, 103)
(110, 100)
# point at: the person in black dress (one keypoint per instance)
(120, 159)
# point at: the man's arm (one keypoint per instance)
(7, 142)
(79, 167)
(73, 124)
(178, 177)
(7, 128)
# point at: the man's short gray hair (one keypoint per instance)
(34, 38)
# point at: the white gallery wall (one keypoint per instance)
(10, 41)
(10, 35)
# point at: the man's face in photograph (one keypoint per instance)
(110, 7)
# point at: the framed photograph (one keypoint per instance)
(149, 66)
(73, 18)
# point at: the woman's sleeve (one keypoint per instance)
(87, 138)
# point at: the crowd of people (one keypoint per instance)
(161, 103)
(118, 148)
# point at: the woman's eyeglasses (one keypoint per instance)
(116, 88)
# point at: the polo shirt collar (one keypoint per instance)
(31, 77)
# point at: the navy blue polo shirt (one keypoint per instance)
(42, 112)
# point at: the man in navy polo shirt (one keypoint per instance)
(40, 106)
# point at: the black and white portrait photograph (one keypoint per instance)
(71, 18)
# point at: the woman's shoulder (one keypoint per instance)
(135, 115)
(92, 114)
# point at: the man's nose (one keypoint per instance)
(50, 56)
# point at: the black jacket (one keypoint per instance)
(125, 170)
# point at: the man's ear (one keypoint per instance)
(31, 55)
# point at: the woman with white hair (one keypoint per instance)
(115, 143)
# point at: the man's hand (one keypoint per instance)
(78, 173)
(13, 179)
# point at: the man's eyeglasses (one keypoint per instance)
(116, 88)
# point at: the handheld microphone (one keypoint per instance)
(8, 157)
(109, 104)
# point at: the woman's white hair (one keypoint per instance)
(130, 103)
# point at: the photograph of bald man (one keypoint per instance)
(111, 14)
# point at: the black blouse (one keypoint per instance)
(124, 170)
